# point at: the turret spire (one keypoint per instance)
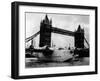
(79, 28)
(46, 18)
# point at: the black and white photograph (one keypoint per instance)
(51, 40)
(56, 40)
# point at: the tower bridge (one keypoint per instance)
(45, 34)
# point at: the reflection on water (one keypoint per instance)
(34, 64)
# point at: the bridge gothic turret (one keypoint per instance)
(45, 32)
(79, 37)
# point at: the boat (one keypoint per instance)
(50, 54)
(53, 55)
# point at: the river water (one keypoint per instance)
(35, 64)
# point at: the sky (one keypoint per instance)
(64, 21)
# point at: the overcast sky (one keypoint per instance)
(64, 21)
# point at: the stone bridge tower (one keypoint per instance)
(79, 37)
(45, 32)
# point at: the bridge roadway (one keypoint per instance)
(62, 31)
(54, 30)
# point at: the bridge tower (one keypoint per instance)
(45, 32)
(79, 37)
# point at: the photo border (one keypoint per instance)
(15, 39)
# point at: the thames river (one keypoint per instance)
(32, 63)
